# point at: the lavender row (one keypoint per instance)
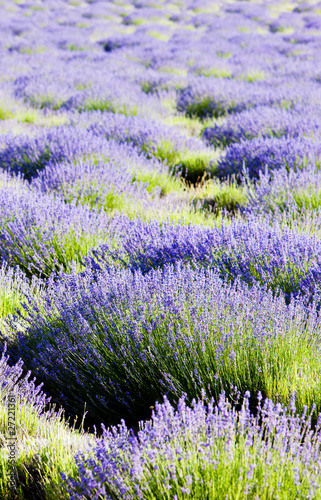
(276, 257)
(185, 452)
(41, 234)
(121, 341)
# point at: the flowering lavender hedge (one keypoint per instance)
(291, 192)
(182, 154)
(122, 340)
(41, 234)
(14, 380)
(275, 257)
(27, 155)
(264, 121)
(272, 153)
(209, 450)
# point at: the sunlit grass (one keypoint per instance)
(165, 182)
(217, 196)
(308, 198)
(252, 76)
(192, 164)
(158, 35)
(108, 106)
(216, 72)
(6, 113)
(192, 126)
(44, 448)
(173, 71)
(12, 110)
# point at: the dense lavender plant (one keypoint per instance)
(217, 97)
(14, 380)
(165, 143)
(209, 450)
(278, 258)
(272, 153)
(292, 192)
(106, 180)
(58, 92)
(27, 155)
(41, 234)
(263, 121)
(14, 286)
(121, 341)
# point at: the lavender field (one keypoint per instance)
(160, 245)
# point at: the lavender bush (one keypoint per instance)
(122, 340)
(277, 257)
(209, 450)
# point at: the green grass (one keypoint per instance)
(216, 72)
(5, 112)
(192, 126)
(308, 198)
(167, 183)
(10, 301)
(158, 35)
(108, 106)
(95, 196)
(33, 50)
(75, 48)
(33, 116)
(44, 101)
(192, 164)
(204, 108)
(217, 196)
(13, 289)
(252, 76)
(42, 254)
(44, 448)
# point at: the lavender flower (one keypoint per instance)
(271, 153)
(189, 450)
(122, 340)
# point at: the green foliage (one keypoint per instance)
(44, 448)
(193, 165)
(308, 198)
(5, 113)
(216, 72)
(216, 196)
(165, 182)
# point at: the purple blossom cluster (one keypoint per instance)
(276, 257)
(221, 96)
(147, 135)
(41, 234)
(272, 153)
(29, 154)
(264, 121)
(110, 175)
(14, 380)
(81, 92)
(156, 140)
